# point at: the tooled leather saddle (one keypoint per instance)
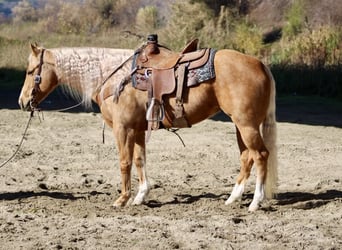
(161, 71)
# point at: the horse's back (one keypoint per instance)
(237, 64)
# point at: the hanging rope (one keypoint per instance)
(174, 130)
(21, 141)
(27, 126)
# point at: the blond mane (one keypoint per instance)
(81, 71)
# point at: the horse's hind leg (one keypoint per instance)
(246, 163)
(259, 154)
(254, 151)
(140, 163)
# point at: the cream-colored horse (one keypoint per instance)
(243, 88)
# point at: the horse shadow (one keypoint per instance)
(304, 200)
(299, 200)
(29, 194)
(184, 199)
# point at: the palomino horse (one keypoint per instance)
(243, 88)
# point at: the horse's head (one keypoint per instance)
(41, 78)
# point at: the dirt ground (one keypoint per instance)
(58, 191)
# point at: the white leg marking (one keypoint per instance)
(144, 189)
(142, 193)
(236, 193)
(259, 196)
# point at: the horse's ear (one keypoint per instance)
(35, 49)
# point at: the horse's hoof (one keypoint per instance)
(120, 203)
(253, 207)
(229, 201)
(115, 205)
(137, 202)
(139, 199)
(232, 199)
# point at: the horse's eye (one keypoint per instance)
(30, 72)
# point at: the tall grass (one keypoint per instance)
(13, 53)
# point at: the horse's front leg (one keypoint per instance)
(140, 163)
(125, 140)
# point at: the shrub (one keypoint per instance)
(295, 19)
(316, 48)
(218, 32)
(147, 19)
(186, 22)
(24, 12)
(248, 39)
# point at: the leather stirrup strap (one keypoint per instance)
(180, 82)
(180, 120)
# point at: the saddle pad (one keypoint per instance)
(204, 73)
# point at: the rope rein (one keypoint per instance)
(27, 126)
(68, 108)
(21, 141)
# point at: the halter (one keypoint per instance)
(36, 88)
(37, 81)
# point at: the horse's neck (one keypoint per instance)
(85, 69)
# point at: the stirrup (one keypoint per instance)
(155, 111)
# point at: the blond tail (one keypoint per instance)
(269, 132)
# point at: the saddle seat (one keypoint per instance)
(159, 57)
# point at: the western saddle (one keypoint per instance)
(161, 71)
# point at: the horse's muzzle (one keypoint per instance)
(25, 106)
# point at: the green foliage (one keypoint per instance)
(147, 19)
(295, 19)
(218, 32)
(187, 21)
(248, 39)
(314, 48)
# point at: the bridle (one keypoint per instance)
(37, 81)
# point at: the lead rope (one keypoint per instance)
(27, 126)
(68, 108)
(21, 141)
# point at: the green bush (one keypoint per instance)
(295, 19)
(248, 39)
(147, 19)
(316, 48)
(187, 21)
(218, 31)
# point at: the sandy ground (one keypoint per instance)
(58, 191)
